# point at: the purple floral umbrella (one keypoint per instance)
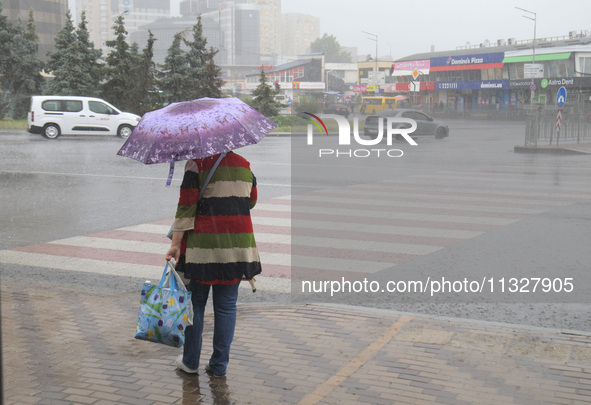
(195, 129)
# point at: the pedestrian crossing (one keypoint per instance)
(354, 230)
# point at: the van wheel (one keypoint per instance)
(440, 133)
(51, 131)
(124, 131)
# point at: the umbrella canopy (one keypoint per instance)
(195, 129)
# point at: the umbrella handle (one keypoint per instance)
(171, 170)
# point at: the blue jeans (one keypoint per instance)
(224, 307)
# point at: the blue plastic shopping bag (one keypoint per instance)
(164, 312)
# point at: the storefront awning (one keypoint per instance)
(539, 58)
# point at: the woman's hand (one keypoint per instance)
(175, 247)
(173, 252)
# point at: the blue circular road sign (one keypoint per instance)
(561, 97)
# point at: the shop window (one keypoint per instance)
(519, 68)
(491, 74)
(484, 74)
(585, 65)
(562, 68)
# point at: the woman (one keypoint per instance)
(214, 246)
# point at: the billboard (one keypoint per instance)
(468, 62)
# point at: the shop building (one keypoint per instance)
(302, 74)
(507, 76)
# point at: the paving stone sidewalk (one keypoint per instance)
(66, 346)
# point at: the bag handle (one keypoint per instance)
(173, 284)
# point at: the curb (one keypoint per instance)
(453, 319)
(550, 150)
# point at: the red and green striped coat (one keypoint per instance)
(219, 245)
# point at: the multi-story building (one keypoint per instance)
(240, 34)
(98, 15)
(233, 29)
(270, 26)
(165, 29)
(50, 17)
(508, 75)
(298, 31)
(196, 7)
(305, 73)
(138, 13)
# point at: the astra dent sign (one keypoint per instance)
(345, 129)
(554, 82)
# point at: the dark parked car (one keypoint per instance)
(426, 125)
(339, 109)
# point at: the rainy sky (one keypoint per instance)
(405, 27)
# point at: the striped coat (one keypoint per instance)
(218, 246)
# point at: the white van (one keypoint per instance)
(281, 99)
(53, 116)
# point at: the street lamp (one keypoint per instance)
(374, 39)
(535, 23)
(534, 47)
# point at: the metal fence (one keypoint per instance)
(540, 129)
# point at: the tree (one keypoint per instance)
(74, 64)
(119, 84)
(22, 77)
(192, 74)
(146, 92)
(264, 101)
(331, 49)
(203, 74)
(90, 57)
(7, 33)
(63, 40)
(174, 72)
(211, 85)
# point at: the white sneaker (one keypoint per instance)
(209, 370)
(181, 366)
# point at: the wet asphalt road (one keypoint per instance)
(72, 186)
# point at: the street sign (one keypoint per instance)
(532, 87)
(533, 70)
(415, 74)
(289, 101)
(559, 119)
(561, 97)
(376, 78)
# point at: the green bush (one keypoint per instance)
(281, 120)
(9, 123)
(247, 100)
(287, 120)
(311, 107)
